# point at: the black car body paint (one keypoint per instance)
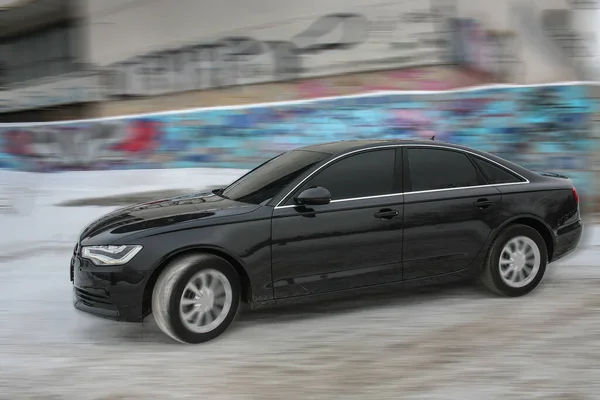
(286, 253)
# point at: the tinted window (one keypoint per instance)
(268, 179)
(432, 169)
(494, 173)
(370, 173)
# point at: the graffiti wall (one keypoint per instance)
(547, 128)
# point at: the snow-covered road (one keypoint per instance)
(441, 343)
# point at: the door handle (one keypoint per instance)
(386, 213)
(483, 203)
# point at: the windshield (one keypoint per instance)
(268, 179)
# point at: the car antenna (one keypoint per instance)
(433, 137)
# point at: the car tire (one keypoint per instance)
(521, 275)
(191, 292)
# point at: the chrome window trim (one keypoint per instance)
(277, 206)
(349, 199)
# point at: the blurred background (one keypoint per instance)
(136, 84)
(108, 102)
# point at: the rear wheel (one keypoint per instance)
(196, 298)
(516, 262)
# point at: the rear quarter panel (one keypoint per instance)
(549, 201)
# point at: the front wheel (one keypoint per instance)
(516, 261)
(196, 298)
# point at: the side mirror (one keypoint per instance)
(314, 197)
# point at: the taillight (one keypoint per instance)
(575, 195)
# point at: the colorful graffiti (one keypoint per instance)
(545, 128)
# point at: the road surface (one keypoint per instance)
(455, 342)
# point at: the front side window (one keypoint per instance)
(267, 180)
(433, 169)
(369, 173)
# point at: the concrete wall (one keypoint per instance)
(521, 21)
(145, 49)
(132, 28)
(427, 78)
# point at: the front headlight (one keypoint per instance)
(110, 255)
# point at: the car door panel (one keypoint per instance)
(444, 231)
(450, 210)
(336, 246)
(354, 241)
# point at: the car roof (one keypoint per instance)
(345, 146)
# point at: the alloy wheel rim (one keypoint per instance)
(519, 262)
(206, 301)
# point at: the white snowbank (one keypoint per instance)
(36, 220)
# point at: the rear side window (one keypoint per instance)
(369, 173)
(433, 169)
(494, 173)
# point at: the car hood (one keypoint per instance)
(164, 212)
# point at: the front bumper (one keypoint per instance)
(110, 292)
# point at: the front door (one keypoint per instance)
(354, 241)
(449, 211)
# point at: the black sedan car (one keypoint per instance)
(321, 221)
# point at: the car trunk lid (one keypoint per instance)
(552, 174)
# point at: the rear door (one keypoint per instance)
(449, 211)
(354, 241)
